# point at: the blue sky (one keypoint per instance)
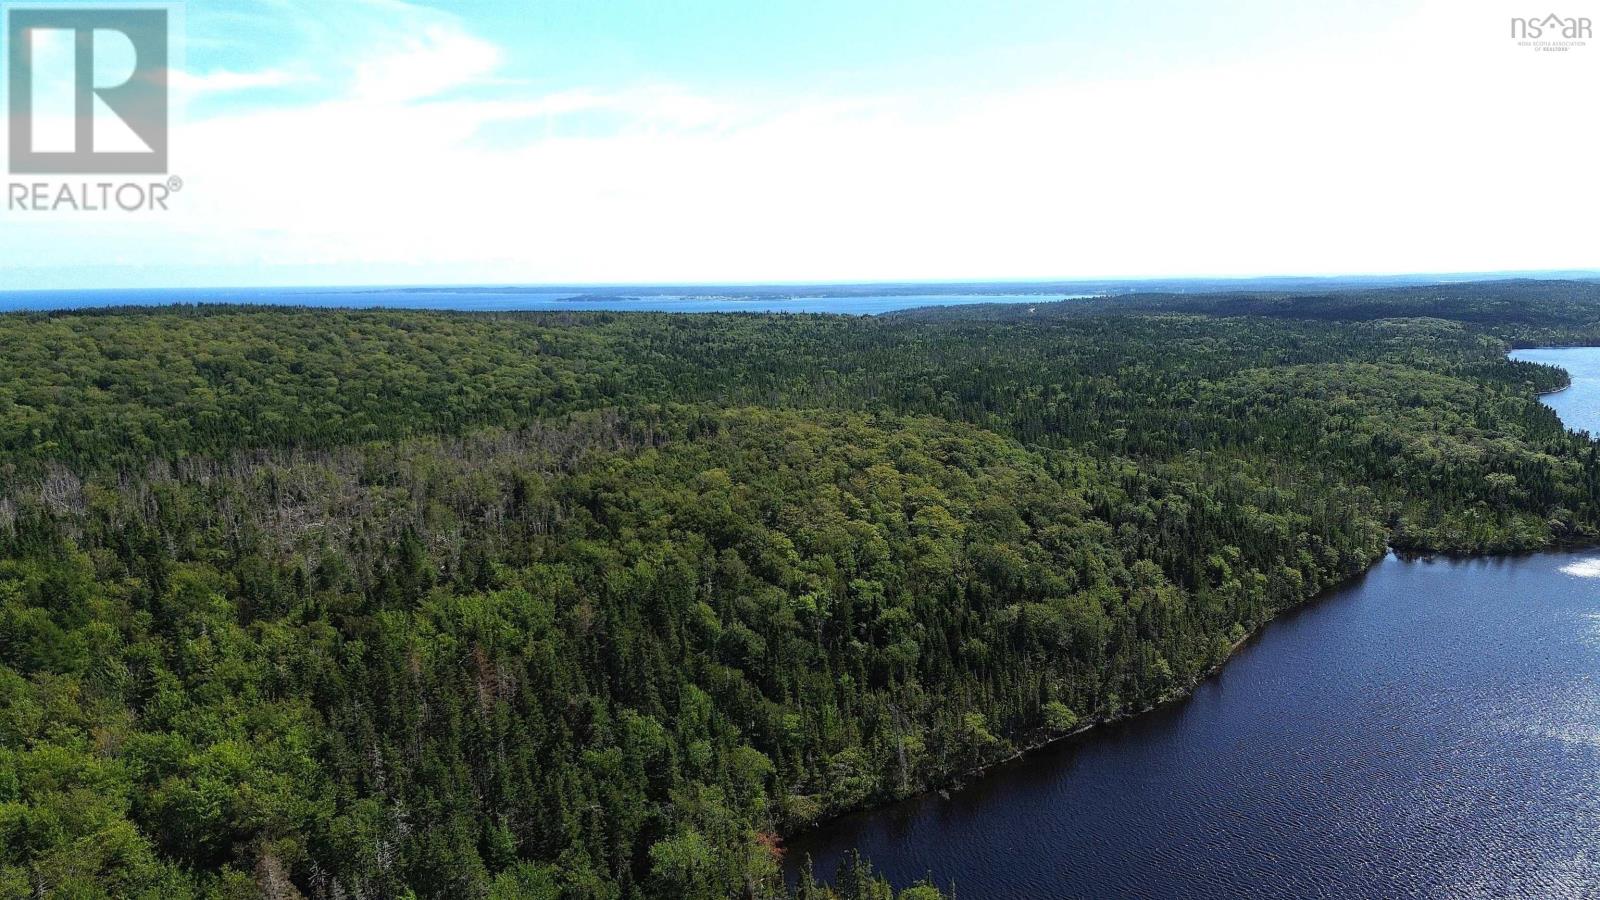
(381, 141)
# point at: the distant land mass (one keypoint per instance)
(1086, 286)
(859, 298)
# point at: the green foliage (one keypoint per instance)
(1058, 717)
(390, 604)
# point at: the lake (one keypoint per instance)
(1431, 729)
(800, 299)
(1579, 405)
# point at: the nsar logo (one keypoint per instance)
(1552, 32)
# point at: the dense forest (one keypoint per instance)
(335, 604)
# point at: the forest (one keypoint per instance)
(363, 604)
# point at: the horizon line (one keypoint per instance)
(1565, 274)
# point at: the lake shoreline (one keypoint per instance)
(1511, 356)
(959, 781)
(1393, 687)
(963, 780)
(916, 804)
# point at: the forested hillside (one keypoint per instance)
(369, 604)
(1507, 307)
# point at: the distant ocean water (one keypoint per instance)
(490, 299)
(848, 299)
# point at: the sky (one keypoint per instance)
(611, 141)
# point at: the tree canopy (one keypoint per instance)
(335, 604)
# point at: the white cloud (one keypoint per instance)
(433, 61)
(1436, 145)
(191, 86)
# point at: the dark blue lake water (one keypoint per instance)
(1432, 730)
(490, 299)
(1429, 730)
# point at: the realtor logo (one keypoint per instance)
(62, 55)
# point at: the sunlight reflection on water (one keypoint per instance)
(1583, 568)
